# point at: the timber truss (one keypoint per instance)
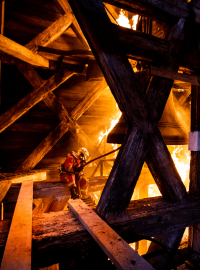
(143, 142)
(142, 112)
(43, 90)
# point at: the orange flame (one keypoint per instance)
(124, 21)
(182, 165)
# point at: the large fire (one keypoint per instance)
(181, 157)
(124, 21)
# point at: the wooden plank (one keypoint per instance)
(120, 253)
(43, 148)
(14, 49)
(9, 117)
(19, 178)
(4, 187)
(17, 254)
(50, 34)
(164, 73)
(154, 216)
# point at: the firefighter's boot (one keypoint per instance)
(74, 195)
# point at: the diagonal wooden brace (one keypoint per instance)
(137, 110)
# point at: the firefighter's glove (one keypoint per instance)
(77, 169)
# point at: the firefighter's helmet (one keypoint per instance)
(83, 153)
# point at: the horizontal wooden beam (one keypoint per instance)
(9, 117)
(17, 254)
(164, 11)
(147, 217)
(15, 178)
(121, 254)
(193, 79)
(51, 33)
(14, 49)
(141, 46)
(46, 189)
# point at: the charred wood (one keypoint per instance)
(62, 232)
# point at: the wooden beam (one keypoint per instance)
(2, 18)
(14, 49)
(35, 176)
(89, 99)
(47, 189)
(162, 262)
(68, 123)
(42, 205)
(142, 219)
(64, 7)
(194, 188)
(164, 73)
(50, 34)
(165, 11)
(4, 187)
(17, 254)
(9, 117)
(43, 148)
(131, 102)
(120, 253)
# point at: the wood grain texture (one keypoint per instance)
(17, 254)
(193, 79)
(33, 98)
(4, 187)
(65, 8)
(51, 33)
(164, 11)
(120, 253)
(42, 205)
(43, 148)
(88, 100)
(48, 189)
(19, 178)
(14, 49)
(63, 232)
(128, 94)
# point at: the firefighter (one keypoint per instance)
(72, 173)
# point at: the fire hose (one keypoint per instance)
(101, 156)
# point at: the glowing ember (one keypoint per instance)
(123, 20)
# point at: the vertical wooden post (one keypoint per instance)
(194, 232)
(2, 15)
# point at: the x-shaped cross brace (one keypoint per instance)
(145, 140)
